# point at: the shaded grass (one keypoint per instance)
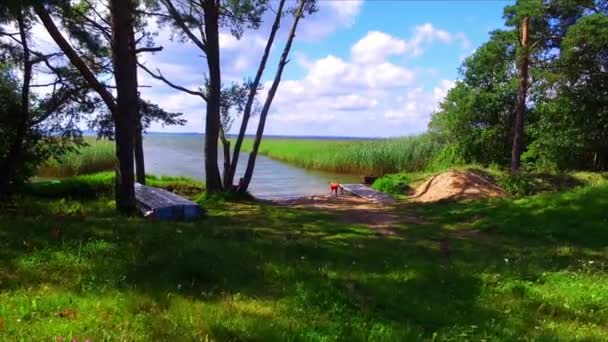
(365, 157)
(96, 156)
(537, 268)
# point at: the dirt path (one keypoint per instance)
(381, 218)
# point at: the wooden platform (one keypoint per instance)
(367, 193)
(165, 205)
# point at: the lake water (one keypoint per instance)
(182, 155)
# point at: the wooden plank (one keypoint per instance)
(165, 205)
(367, 193)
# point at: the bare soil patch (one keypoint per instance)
(379, 217)
(456, 185)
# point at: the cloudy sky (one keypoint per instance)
(370, 68)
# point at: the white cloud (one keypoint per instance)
(376, 46)
(346, 10)
(363, 96)
(332, 15)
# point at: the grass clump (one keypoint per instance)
(95, 156)
(366, 157)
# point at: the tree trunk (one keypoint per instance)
(140, 166)
(244, 185)
(226, 171)
(8, 165)
(125, 73)
(213, 181)
(229, 177)
(520, 115)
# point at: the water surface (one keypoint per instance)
(182, 155)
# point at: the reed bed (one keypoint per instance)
(369, 157)
(96, 156)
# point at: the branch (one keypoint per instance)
(180, 22)
(11, 36)
(50, 26)
(56, 102)
(43, 58)
(99, 15)
(149, 49)
(104, 30)
(154, 14)
(160, 77)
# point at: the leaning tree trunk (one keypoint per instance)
(213, 181)
(253, 89)
(226, 145)
(520, 115)
(125, 73)
(140, 165)
(244, 185)
(9, 164)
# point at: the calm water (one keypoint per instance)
(182, 155)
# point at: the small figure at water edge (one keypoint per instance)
(333, 188)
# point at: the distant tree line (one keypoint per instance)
(536, 94)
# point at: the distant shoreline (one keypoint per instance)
(271, 136)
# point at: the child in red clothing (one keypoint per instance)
(333, 188)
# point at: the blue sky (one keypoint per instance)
(358, 68)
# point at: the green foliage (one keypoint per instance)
(567, 118)
(533, 267)
(476, 116)
(22, 148)
(570, 128)
(399, 183)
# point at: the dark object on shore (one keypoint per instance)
(369, 179)
(165, 205)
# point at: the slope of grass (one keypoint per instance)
(536, 267)
(372, 157)
(96, 156)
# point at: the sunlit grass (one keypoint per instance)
(534, 267)
(365, 157)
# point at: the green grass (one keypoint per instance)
(102, 184)
(365, 157)
(534, 268)
(96, 156)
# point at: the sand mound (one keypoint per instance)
(455, 185)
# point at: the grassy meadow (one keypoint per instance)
(533, 268)
(371, 157)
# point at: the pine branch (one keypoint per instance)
(149, 49)
(176, 16)
(160, 77)
(88, 75)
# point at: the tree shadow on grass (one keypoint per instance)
(323, 277)
(312, 263)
